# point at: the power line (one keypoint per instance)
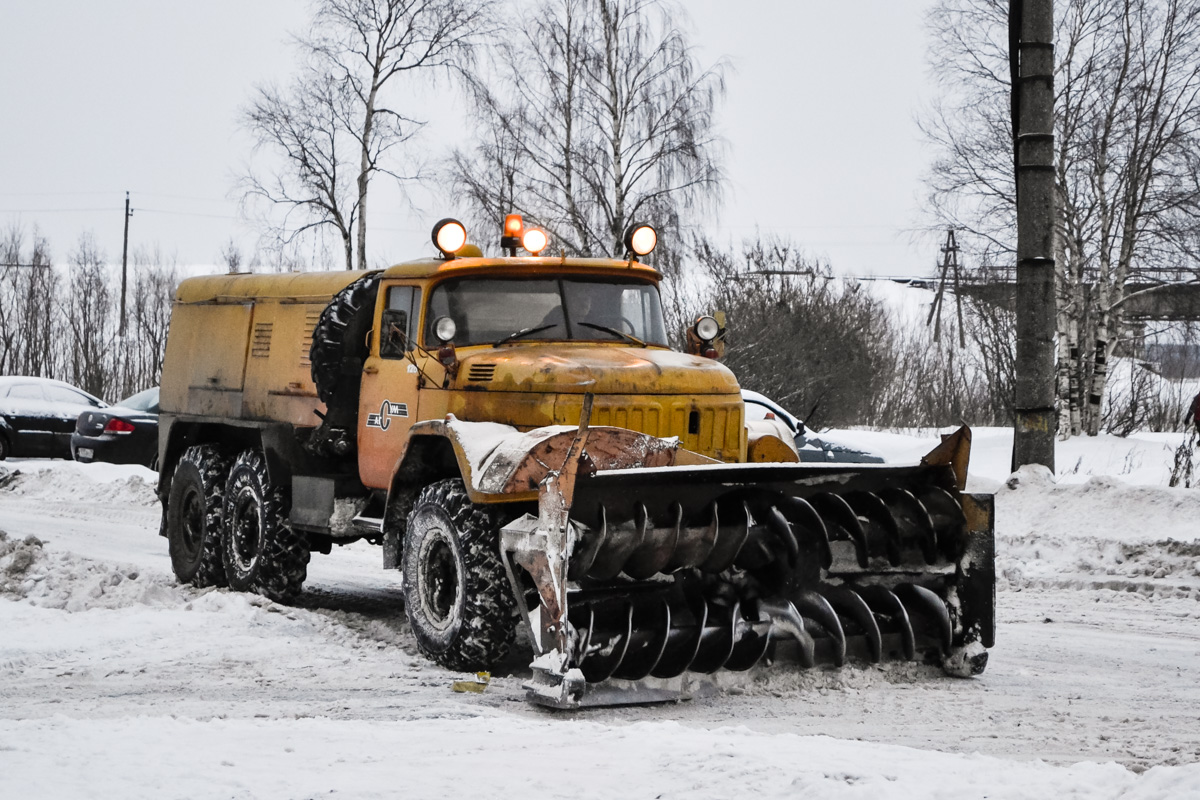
(49, 210)
(184, 213)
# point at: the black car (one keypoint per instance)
(37, 416)
(126, 433)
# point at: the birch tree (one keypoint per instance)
(1127, 134)
(341, 124)
(599, 116)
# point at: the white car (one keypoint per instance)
(811, 448)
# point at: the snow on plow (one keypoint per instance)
(652, 567)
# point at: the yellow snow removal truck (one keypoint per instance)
(520, 439)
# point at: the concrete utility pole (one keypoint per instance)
(1031, 53)
(124, 262)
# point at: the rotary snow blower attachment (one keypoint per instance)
(649, 579)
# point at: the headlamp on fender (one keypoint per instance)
(703, 336)
(445, 329)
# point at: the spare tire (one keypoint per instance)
(339, 343)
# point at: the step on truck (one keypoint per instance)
(521, 442)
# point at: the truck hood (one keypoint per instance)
(607, 369)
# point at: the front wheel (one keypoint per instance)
(262, 553)
(456, 592)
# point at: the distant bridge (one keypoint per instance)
(1168, 295)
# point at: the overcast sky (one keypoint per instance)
(100, 97)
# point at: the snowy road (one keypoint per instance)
(105, 661)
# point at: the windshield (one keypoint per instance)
(142, 401)
(494, 310)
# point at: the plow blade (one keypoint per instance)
(667, 574)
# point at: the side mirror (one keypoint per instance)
(393, 333)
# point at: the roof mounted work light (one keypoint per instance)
(640, 239)
(514, 226)
(449, 236)
(534, 240)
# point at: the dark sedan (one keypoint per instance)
(37, 416)
(126, 433)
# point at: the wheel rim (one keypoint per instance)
(246, 530)
(440, 588)
(193, 522)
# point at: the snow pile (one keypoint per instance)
(81, 483)
(1144, 459)
(1102, 534)
(64, 581)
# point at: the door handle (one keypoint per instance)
(370, 370)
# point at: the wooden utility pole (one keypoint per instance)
(125, 262)
(1031, 53)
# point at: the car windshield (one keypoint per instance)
(142, 401)
(494, 310)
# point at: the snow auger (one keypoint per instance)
(648, 578)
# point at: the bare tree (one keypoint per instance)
(335, 127)
(87, 317)
(599, 116)
(816, 344)
(28, 301)
(1127, 134)
(231, 256)
(306, 124)
(155, 277)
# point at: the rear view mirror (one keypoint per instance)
(393, 333)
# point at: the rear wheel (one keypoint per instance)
(5, 449)
(456, 591)
(194, 516)
(262, 553)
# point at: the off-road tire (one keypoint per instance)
(339, 338)
(194, 510)
(261, 552)
(456, 592)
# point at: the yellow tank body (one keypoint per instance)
(238, 346)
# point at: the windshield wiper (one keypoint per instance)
(613, 331)
(525, 332)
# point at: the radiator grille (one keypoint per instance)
(481, 372)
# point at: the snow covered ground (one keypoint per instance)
(114, 681)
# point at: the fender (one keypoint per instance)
(500, 464)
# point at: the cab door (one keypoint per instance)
(387, 406)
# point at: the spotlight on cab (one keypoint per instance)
(449, 236)
(534, 240)
(640, 239)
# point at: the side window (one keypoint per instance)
(60, 394)
(26, 391)
(398, 326)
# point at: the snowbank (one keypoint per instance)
(495, 757)
(117, 682)
(1142, 459)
